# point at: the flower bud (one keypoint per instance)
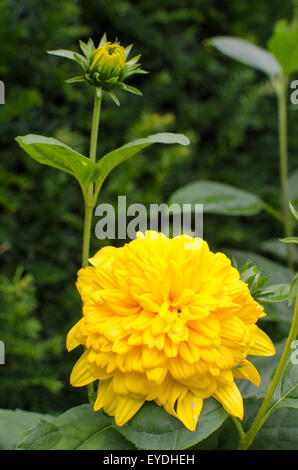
(105, 67)
(108, 60)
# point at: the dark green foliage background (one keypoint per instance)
(227, 110)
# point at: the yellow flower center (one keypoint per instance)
(110, 55)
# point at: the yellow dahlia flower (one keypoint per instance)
(165, 320)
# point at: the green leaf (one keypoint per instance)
(278, 273)
(127, 49)
(247, 53)
(279, 432)
(284, 46)
(131, 89)
(13, 425)
(153, 428)
(293, 187)
(275, 248)
(218, 198)
(44, 436)
(114, 97)
(103, 40)
(275, 293)
(289, 240)
(49, 151)
(114, 158)
(293, 289)
(293, 210)
(252, 276)
(289, 386)
(77, 79)
(78, 428)
(90, 44)
(86, 49)
(79, 58)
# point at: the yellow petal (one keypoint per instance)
(181, 370)
(126, 409)
(157, 374)
(136, 383)
(188, 410)
(101, 394)
(198, 339)
(106, 397)
(174, 391)
(233, 329)
(247, 371)
(104, 255)
(74, 337)
(186, 353)
(231, 399)
(120, 346)
(147, 302)
(80, 374)
(184, 298)
(226, 359)
(260, 343)
(152, 357)
(143, 320)
(225, 378)
(131, 362)
(209, 327)
(152, 235)
(118, 302)
(157, 325)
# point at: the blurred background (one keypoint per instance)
(226, 109)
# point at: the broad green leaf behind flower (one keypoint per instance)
(247, 53)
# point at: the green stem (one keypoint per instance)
(264, 412)
(95, 125)
(239, 429)
(89, 197)
(85, 256)
(283, 161)
(86, 234)
(276, 214)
